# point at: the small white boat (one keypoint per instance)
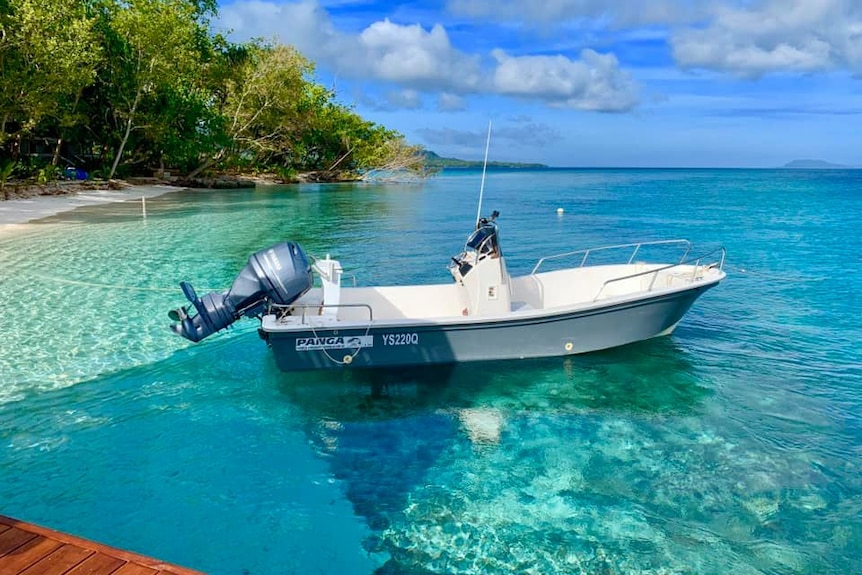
(484, 314)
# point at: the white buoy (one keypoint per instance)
(144, 206)
(559, 211)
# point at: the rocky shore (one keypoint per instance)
(24, 190)
(21, 203)
(36, 202)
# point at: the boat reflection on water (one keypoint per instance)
(385, 433)
(647, 377)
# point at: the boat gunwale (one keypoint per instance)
(512, 318)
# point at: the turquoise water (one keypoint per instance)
(734, 445)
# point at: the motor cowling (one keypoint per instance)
(278, 274)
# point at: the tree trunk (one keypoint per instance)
(56, 157)
(339, 160)
(62, 131)
(126, 135)
(207, 163)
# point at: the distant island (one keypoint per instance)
(813, 165)
(432, 160)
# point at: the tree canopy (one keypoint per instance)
(125, 87)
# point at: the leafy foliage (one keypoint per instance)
(48, 55)
(7, 166)
(131, 86)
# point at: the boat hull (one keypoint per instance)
(518, 337)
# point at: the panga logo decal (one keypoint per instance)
(349, 342)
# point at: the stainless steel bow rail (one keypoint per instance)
(636, 248)
(696, 273)
(698, 266)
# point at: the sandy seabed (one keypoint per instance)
(34, 203)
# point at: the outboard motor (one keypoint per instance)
(278, 274)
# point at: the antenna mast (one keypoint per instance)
(484, 168)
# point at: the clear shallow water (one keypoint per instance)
(734, 445)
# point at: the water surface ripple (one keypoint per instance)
(732, 446)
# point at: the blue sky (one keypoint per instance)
(717, 83)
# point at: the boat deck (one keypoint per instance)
(27, 549)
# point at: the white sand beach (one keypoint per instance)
(15, 214)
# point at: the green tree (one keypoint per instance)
(155, 48)
(337, 138)
(145, 82)
(261, 103)
(48, 55)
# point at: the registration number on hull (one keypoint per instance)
(400, 338)
(320, 343)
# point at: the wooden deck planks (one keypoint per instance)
(30, 552)
(13, 538)
(60, 561)
(27, 549)
(96, 565)
(132, 569)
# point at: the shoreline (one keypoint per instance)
(18, 214)
(22, 204)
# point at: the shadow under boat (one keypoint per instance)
(382, 431)
(654, 376)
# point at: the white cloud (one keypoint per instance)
(447, 102)
(776, 36)
(531, 134)
(615, 12)
(526, 134)
(451, 137)
(747, 38)
(407, 99)
(419, 59)
(595, 82)
(303, 24)
(412, 55)
(406, 55)
(388, 100)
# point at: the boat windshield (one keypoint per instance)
(484, 239)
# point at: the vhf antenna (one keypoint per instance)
(484, 168)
